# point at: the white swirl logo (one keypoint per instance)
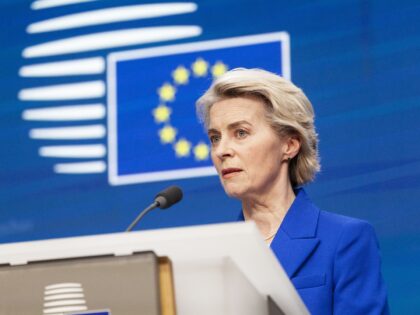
(61, 298)
(72, 108)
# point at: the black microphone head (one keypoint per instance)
(168, 197)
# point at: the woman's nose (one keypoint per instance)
(224, 149)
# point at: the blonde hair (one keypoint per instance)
(288, 111)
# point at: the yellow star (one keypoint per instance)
(201, 151)
(218, 69)
(167, 92)
(182, 148)
(200, 67)
(167, 134)
(181, 75)
(162, 113)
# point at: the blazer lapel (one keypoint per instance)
(296, 239)
(292, 253)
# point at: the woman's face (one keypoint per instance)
(246, 151)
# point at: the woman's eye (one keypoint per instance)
(214, 139)
(240, 133)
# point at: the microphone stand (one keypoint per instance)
(141, 215)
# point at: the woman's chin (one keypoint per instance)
(234, 192)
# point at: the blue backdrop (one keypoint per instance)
(358, 62)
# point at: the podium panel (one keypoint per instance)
(224, 269)
(127, 285)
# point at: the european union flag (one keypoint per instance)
(153, 130)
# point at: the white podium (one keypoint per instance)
(223, 269)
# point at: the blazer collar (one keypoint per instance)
(301, 220)
(296, 239)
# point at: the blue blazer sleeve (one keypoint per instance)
(359, 288)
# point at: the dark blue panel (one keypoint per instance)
(358, 61)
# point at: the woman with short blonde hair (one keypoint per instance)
(264, 148)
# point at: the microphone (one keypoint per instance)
(165, 199)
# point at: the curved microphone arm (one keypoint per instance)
(165, 199)
(141, 215)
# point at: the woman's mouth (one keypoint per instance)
(230, 172)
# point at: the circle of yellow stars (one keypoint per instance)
(162, 113)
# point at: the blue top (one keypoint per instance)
(332, 260)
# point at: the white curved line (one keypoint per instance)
(65, 113)
(73, 151)
(64, 309)
(110, 39)
(111, 15)
(72, 91)
(63, 285)
(64, 296)
(68, 133)
(64, 68)
(64, 303)
(44, 4)
(80, 168)
(63, 290)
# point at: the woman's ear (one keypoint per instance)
(291, 147)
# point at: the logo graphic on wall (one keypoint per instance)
(94, 108)
(69, 299)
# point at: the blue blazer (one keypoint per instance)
(332, 260)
